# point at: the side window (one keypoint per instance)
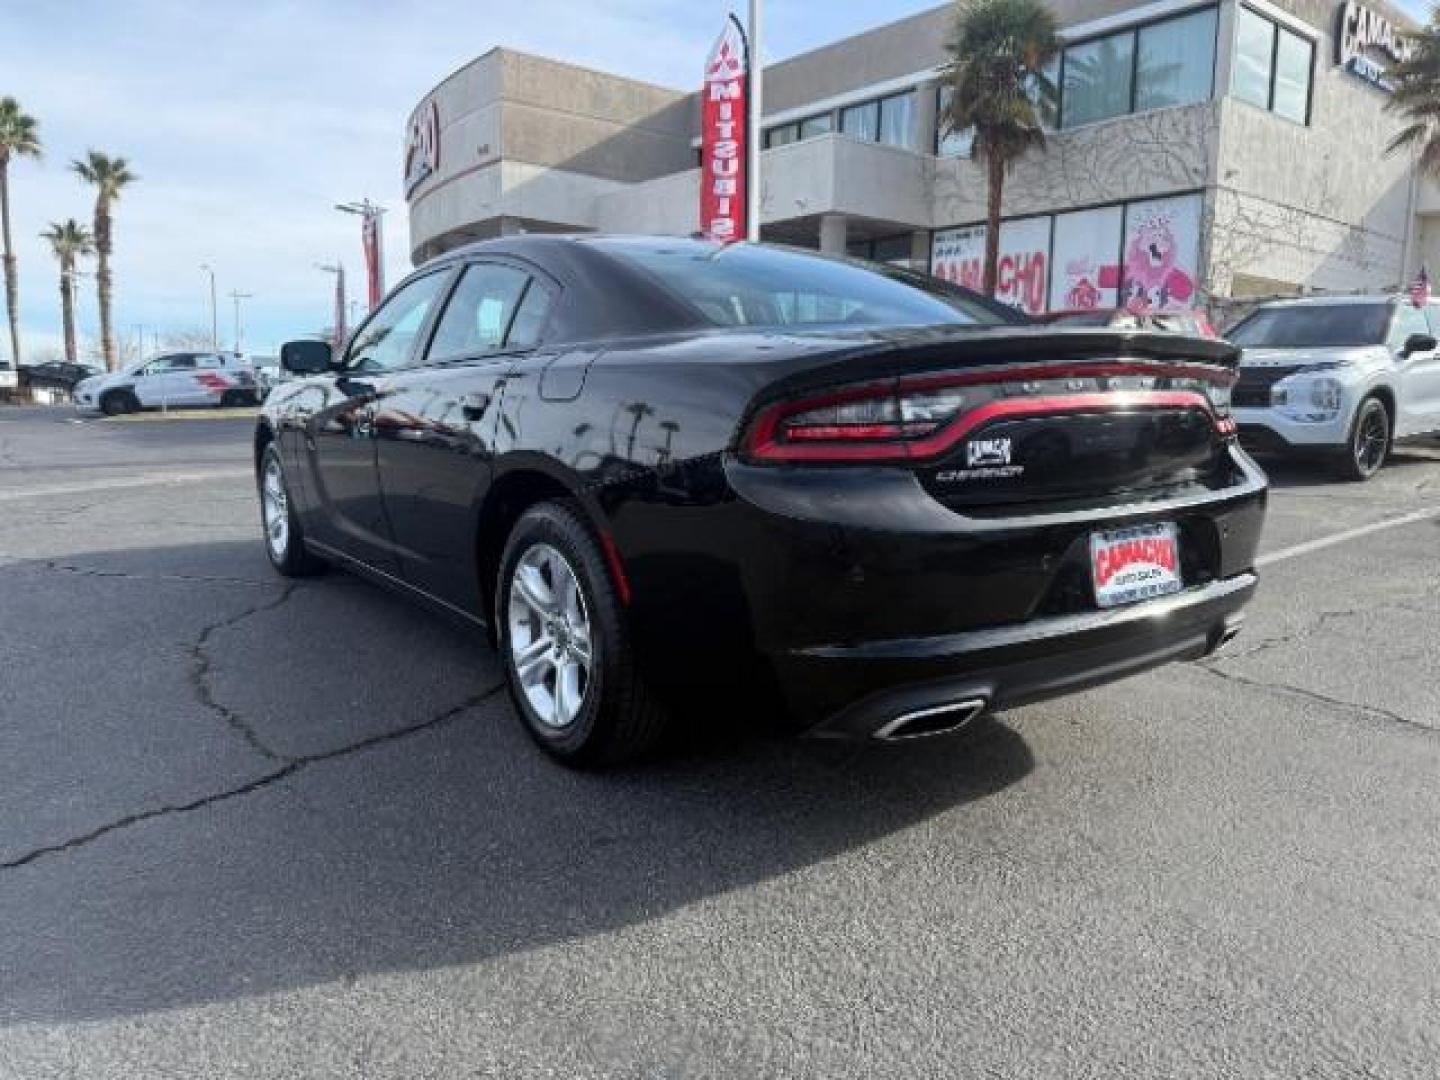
(479, 313)
(530, 318)
(1409, 319)
(387, 340)
(163, 364)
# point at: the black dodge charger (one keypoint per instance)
(654, 468)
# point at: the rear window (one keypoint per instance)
(1313, 326)
(740, 285)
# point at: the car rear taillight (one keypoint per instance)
(916, 417)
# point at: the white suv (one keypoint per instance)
(1344, 374)
(175, 380)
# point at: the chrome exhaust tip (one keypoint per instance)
(936, 720)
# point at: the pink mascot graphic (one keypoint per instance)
(1152, 280)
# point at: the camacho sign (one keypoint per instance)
(1361, 31)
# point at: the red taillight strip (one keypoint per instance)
(764, 444)
(1205, 372)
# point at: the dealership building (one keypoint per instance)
(1200, 154)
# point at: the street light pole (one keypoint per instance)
(237, 296)
(214, 318)
(373, 242)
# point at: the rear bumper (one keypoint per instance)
(868, 685)
(863, 596)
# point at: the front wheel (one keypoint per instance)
(1369, 441)
(564, 642)
(284, 542)
(119, 402)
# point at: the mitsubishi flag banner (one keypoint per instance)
(374, 269)
(722, 139)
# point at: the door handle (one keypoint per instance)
(473, 406)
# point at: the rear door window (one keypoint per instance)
(482, 315)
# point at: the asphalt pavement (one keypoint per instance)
(250, 828)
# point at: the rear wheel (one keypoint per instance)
(569, 661)
(118, 402)
(233, 399)
(284, 542)
(1369, 441)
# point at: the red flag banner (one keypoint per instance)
(722, 139)
(374, 279)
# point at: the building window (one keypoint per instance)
(895, 250)
(888, 120)
(861, 121)
(1098, 79)
(1294, 59)
(897, 119)
(808, 128)
(817, 125)
(1157, 66)
(779, 136)
(950, 143)
(1176, 61)
(1273, 66)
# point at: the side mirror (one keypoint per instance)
(306, 357)
(1418, 343)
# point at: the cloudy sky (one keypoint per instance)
(246, 122)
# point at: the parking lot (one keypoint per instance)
(254, 828)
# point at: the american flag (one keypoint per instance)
(1420, 288)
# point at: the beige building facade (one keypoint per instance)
(1200, 154)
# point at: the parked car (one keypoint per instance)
(1345, 376)
(173, 380)
(55, 375)
(1185, 321)
(651, 467)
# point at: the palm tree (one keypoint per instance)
(998, 75)
(68, 240)
(19, 137)
(108, 176)
(1417, 97)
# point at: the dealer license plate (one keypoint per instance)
(1133, 564)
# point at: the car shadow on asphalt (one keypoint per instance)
(1311, 471)
(442, 839)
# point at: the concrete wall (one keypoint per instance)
(1319, 206)
(528, 138)
(1130, 157)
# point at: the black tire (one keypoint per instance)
(290, 558)
(118, 402)
(618, 718)
(1369, 443)
(233, 399)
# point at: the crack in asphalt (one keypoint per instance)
(200, 673)
(1297, 635)
(58, 567)
(291, 767)
(1371, 711)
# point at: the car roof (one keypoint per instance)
(1336, 299)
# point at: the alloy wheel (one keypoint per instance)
(550, 639)
(1371, 440)
(275, 505)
